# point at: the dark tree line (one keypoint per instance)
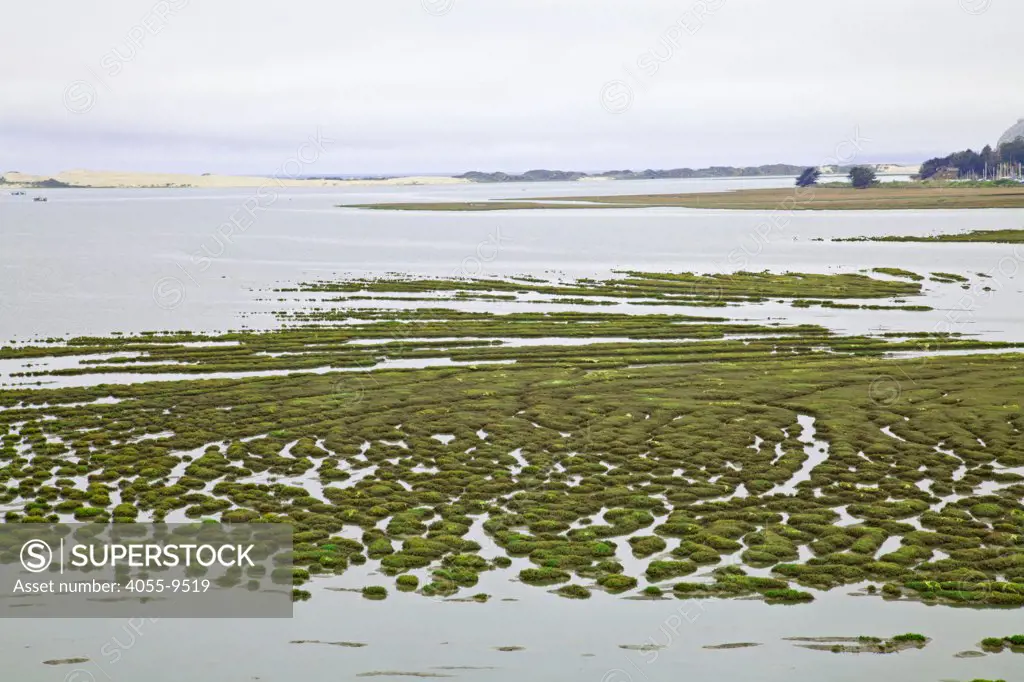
(970, 162)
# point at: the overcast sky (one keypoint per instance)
(404, 86)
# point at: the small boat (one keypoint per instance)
(17, 194)
(39, 199)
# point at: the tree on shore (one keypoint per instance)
(862, 177)
(1012, 152)
(972, 163)
(808, 177)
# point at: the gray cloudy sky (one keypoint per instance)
(450, 85)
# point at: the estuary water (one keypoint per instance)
(575, 641)
(100, 261)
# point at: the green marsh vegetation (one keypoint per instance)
(947, 277)
(682, 443)
(741, 286)
(337, 337)
(899, 272)
(1014, 643)
(982, 236)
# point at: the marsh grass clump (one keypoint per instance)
(543, 576)
(462, 577)
(646, 545)
(616, 583)
(407, 583)
(440, 588)
(658, 571)
(997, 644)
(375, 592)
(573, 592)
(787, 596)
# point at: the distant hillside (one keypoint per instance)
(711, 172)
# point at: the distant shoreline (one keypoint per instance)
(142, 180)
(84, 179)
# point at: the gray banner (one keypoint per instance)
(145, 570)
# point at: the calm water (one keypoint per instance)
(96, 261)
(411, 633)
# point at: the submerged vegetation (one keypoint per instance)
(863, 644)
(685, 447)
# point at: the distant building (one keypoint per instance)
(1015, 131)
